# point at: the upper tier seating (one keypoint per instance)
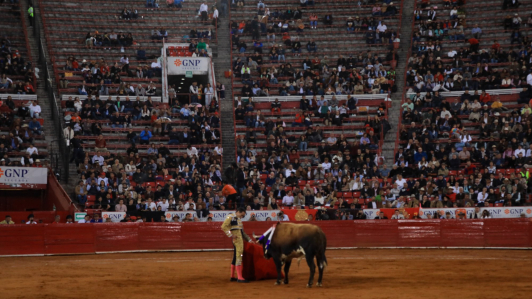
(68, 27)
(323, 47)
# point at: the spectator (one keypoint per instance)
(145, 136)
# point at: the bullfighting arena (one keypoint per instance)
(361, 273)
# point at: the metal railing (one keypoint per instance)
(60, 160)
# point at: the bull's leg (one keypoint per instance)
(286, 269)
(321, 267)
(279, 266)
(312, 266)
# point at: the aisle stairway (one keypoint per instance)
(222, 63)
(394, 112)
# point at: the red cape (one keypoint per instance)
(255, 266)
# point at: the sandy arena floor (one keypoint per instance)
(363, 273)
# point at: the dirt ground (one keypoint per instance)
(362, 273)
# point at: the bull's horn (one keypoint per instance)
(255, 237)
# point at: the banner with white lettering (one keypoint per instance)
(115, 216)
(262, 215)
(23, 177)
(182, 65)
(499, 212)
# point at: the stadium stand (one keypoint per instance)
(21, 124)
(465, 122)
(332, 96)
(111, 92)
(123, 39)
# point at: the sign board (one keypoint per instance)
(79, 216)
(115, 216)
(261, 215)
(188, 74)
(499, 212)
(182, 65)
(23, 177)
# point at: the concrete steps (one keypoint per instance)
(221, 64)
(388, 150)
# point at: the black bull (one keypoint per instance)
(290, 241)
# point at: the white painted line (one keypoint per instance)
(230, 249)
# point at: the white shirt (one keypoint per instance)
(163, 205)
(32, 150)
(400, 183)
(482, 197)
(104, 179)
(326, 166)
(204, 7)
(155, 65)
(529, 79)
(215, 14)
(517, 151)
(31, 222)
(288, 172)
(83, 221)
(288, 200)
(151, 206)
(382, 28)
(192, 151)
(98, 159)
(35, 108)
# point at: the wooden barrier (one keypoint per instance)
(50, 239)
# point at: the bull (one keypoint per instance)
(286, 241)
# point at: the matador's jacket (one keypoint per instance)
(232, 226)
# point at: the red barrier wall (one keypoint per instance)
(56, 195)
(112, 237)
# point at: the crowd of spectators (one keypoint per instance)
(12, 64)
(17, 137)
(314, 74)
(472, 150)
(128, 174)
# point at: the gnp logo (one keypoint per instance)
(13, 173)
(187, 62)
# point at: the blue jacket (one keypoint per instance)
(34, 125)
(145, 136)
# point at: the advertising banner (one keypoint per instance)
(184, 65)
(499, 212)
(23, 177)
(115, 216)
(270, 215)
